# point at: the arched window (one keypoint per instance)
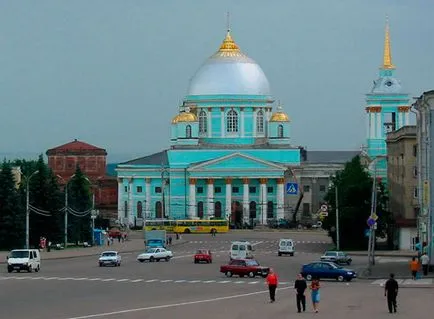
(232, 122)
(188, 131)
(280, 131)
(260, 122)
(203, 123)
(126, 209)
(270, 209)
(218, 210)
(200, 210)
(139, 210)
(252, 209)
(158, 210)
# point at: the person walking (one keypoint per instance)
(272, 282)
(414, 267)
(315, 294)
(300, 286)
(391, 292)
(424, 260)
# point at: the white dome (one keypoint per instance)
(230, 72)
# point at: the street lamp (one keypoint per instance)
(163, 187)
(28, 207)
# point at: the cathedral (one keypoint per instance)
(230, 151)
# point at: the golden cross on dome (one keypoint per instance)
(228, 22)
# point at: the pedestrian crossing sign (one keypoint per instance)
(291, 188)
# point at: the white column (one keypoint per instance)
(120, 201)
(222, 121)
(379, 126)
(130, 200)
(371, 125)
(263, 201)
(254, 123)
(407, 118)
(246, 208)
(242, 122)
(209, 118)
(228, 204)
(280, 195)
(192, 208)
(148, 197)
(210, 198)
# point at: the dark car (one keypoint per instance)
(327, 270)
(338, 257)
(244, 267)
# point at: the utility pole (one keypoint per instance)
(28, 208)
(66, 216)
(338, 246)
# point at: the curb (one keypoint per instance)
(364, 254)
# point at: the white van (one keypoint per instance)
(24, 259)
(241, 250)
(286, 247)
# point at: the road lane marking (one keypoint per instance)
(36, 278)
(110, 279)
(137, 280)
(193, 281)
(257, 243)
(253, 282)
(177, 281)
(224, 281)
(121, 280)
(209, 281)
(187, 303)
(94, 279)
(151, 280)
(239, 282)
(167, 280)
(79, 279)
(182, 256)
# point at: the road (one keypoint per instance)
(78, 288)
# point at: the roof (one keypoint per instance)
(76, 146)
(339, 157)
(159, 158)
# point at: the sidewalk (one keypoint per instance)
(133, 245)
(386, 253)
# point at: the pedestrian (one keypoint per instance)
(272, 281)
(170, 240)
(300, 287)
(424, 260)
(391, 292)
(315, 293)
(414, 267)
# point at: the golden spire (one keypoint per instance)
(229, 45)
(387, 57)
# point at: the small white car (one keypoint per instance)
(155, 254)
(286, 247)
(110, 258)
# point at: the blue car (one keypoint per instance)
(327, 270)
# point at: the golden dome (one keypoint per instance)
(279, 116)
(184, 117)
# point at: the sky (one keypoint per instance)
(113, 73)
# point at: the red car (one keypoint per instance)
(244, 267)
(203, 255)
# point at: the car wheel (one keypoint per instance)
(349, 262)
(186, 231)
(340, 278)
(37, 269)
(167, 258)
(291, 254)
(196, 261)
(100, 264)
(152, 259)
(229, 274)
(29, 269)
(119, 264)
(349, 279)
(158, 259)
(309, 277)
(251, 274)
(141, 260)
(10, 269)
(279, 254)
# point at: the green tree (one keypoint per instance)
(12, 212)
(79, 205)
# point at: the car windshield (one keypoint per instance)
(109, 254)
(330, 253)
(252, 263)
(336, 266)
(202, 251)
(19, 254)
(150, 251)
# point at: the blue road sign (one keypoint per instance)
(371, 222)
(291, 188)
(367, 232)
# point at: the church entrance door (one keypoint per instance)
(237, 214)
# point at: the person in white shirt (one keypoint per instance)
(424, 259)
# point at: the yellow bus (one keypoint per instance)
(201, 226)
(160, 224)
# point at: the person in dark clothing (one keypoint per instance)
(300, 286)
(391, 292)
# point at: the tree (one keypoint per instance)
(354, 185)
(79, 205)
(12, 212)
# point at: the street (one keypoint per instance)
(79, 288)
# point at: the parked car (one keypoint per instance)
(155, 254)
(286, 247)
(203, 255)
(244, 267)
(109, 258)
(338, 257)
(327, 270)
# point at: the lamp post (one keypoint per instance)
(163, 188)
(28, 208)
(338, 245)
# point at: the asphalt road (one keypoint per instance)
(79, 288)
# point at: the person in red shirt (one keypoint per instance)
(272, 282)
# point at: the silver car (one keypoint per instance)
(110, 258)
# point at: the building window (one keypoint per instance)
(270, 209)
(203, 124)
(235, 190)
(306, 208)
(126, 189)
(252, 209)
(188, 131)
(280, 131)
(260, 122)
(232, 122)
(306, 188)
(218, 210)
(217, 190)
(200, 190)
(415, 150)
(415, 171)
(139, 189)
(322, 188)
(158, 210)
(252, 190)
(270, 189)
(158, 190)
(200, 209)
(126, 209)
(139, 210)
(415, 192)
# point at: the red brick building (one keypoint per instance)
(92, 160)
